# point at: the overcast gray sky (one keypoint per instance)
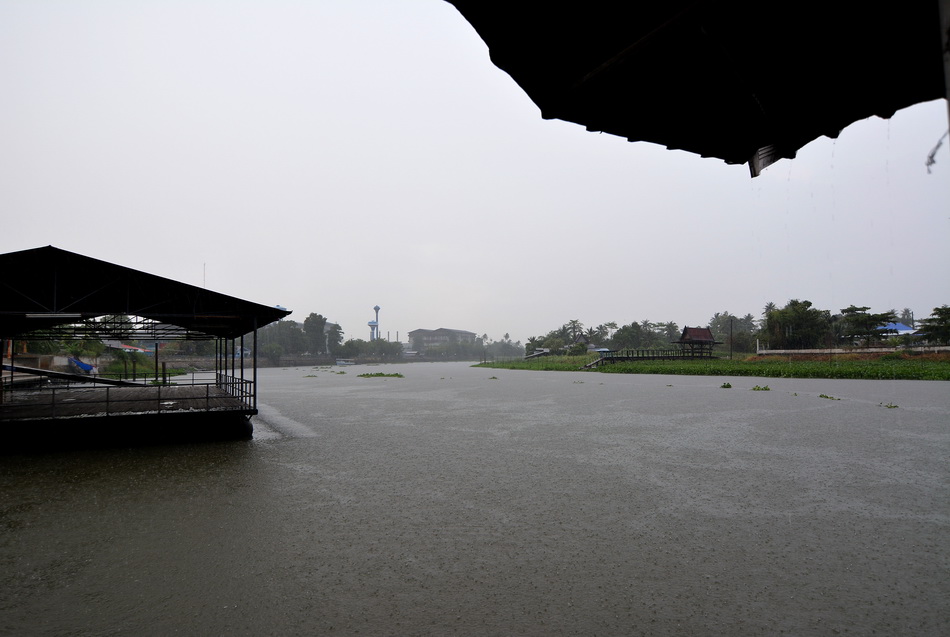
(329, 156)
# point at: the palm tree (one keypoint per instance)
(575, 328)
(593, 335)
(769, 308)
(672, 331)
(606, 330)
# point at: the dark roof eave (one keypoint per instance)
(64, 285)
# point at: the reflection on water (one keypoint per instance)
(451, 502)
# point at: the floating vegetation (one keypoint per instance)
(762, 388)
(492, 378)
(380, 375)
(889, 405)
(726, 386)
(828, 397)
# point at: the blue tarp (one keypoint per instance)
(900, 328)
(86, 367)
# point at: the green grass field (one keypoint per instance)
(902, 367)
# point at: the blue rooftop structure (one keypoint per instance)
(900, 328)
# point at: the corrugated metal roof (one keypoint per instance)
(46, 287)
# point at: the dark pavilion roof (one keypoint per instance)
(47, 287)
(742, 80)
(697, 335)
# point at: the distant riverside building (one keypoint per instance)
(422, 339)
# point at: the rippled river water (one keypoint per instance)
(468, 501)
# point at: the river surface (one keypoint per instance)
(465, 501)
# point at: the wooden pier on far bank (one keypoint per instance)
(695, 342)
(626, 355)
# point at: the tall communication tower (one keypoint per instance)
(374, 326)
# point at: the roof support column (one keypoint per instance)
(3, 352)
(254, 375)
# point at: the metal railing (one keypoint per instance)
(658, 353)
(57, 398)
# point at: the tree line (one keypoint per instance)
(797, 325)
(315, 336)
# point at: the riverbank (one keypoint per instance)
(858, 366)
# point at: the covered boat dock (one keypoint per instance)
(52, 295)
